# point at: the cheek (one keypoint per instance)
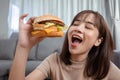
(70, 29)
(92, 36)
(69, 32)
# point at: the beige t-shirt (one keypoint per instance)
(55, 69)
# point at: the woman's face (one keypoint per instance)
(83, 35)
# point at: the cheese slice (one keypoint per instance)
(48, 30)
(35, 32)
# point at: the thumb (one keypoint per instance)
(22, 17)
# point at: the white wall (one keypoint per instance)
(117, 32)
(4, 9)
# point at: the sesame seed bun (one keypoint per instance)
(40, 29)
(49, 17)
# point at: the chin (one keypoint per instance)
(74, 52)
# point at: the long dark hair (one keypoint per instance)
(98, 60)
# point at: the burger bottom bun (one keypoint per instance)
(42, 33)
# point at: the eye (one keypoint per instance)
(76, 23)
(89, 26)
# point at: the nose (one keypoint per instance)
(81, 28)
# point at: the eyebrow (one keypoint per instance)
(77, 20)
(87, 22)
(90, 23)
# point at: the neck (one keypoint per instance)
(78, 57)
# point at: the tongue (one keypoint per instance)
(75, 43)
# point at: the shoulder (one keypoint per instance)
(52, 59)
(113, 67)
(114, 72)
(53, 56)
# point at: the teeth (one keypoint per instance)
(76, 38)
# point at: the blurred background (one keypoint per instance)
(10, 10)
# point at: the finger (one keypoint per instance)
(22, 17)
(30, 20)
(38, 39)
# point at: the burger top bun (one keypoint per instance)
(48, 17)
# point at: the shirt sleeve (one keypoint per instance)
(45, 65)
(114, 72)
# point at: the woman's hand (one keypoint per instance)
(26, 40)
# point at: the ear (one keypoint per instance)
(98, 41)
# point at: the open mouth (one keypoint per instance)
(76, 39)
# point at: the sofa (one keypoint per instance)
(37, 54)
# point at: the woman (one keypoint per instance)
(86, 53)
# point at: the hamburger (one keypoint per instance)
(48, 26)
